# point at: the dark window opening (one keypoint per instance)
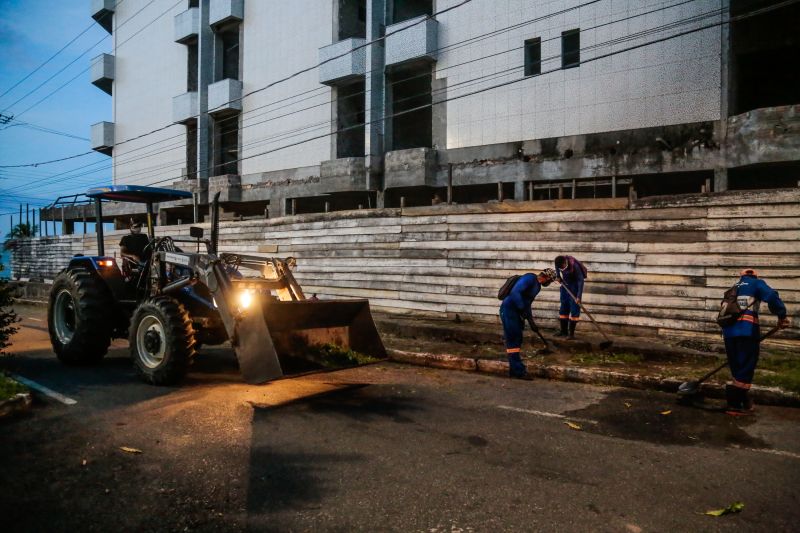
(409, 9)
(410, 89)
(668, 183)
(191, 67)
(765, 176)
(352, 19)
(415, 196)
(350, 116)
(570, 48)
(226, 146)
(480, 194)
(191, 149)
(764, 65)
(333, 202)
(228, 53)
(533, 56)
(584, 188)
(194, 3)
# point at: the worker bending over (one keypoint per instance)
(515, 311)
(742, 339)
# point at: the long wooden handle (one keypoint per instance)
(580, 304)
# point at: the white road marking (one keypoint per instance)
(32, 318)
(782, 453)
(50, 393)
(546, 414)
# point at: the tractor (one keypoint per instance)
(184, 294)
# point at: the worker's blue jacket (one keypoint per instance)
(521, 297)
(573, 276)
(751, 291)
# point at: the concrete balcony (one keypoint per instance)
(415, 167)
(225, 97)
(103, 13)
(187, 25)
(228, 185)
(103, 137)
(185, 107)
(222, 11)
(419, 41)
(352, 64)
(102, 72)
(343, 175)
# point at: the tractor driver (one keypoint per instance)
(134, 245)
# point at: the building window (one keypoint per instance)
(533, 56)
(191, 67)
(352, 19)
(350, 120)
(228, 53)
(226, 146)
(191, 149)
(570, 48)
(194, 3)
(409, 9)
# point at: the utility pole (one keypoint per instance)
(27, 216)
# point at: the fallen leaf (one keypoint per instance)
(735, 507)
(628, 405)
(665, 413)
(83, 463)
(130, 450)
(573, 425)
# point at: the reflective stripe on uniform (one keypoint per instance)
(575, 318)
(513, 350)
(563, 316)
(741, 384)
(748, 318)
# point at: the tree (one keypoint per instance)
(20, 231)
(7, 315)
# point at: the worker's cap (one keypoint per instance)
(561, 262)
(749, 272)
(134, 223)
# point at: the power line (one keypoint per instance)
(46, 61)
(36, 127)
(86, 52)
(48, 162)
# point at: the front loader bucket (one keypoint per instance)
(296, 326)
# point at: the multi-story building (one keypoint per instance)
(313, 105)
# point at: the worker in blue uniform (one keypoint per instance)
(571, 274)
(742, 339)
(515, 310)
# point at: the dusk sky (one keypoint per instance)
(31, 31)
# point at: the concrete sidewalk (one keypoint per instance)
(634, 362)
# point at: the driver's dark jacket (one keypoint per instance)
(135, 243)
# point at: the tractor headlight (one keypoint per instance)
(245, 299)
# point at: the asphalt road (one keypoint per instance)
(378, 448)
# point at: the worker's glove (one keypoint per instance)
(784, 322)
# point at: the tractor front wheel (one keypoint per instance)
(161, 341)
(78, 317)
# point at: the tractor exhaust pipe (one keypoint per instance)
(215, 224)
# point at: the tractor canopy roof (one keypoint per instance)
(137, 194)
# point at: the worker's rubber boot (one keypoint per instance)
(564, 324)
(739, 403)
(516, 368)
(572, 325)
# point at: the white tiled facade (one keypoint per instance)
(673, 82)
(150, 70)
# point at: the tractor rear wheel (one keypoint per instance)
(161, 341)
(78, 317)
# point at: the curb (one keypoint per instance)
(19, 403)
(25, 301)
(760, 395)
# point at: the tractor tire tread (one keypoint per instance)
(91, 339)
(179, 336)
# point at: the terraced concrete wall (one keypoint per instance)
(656, 266)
